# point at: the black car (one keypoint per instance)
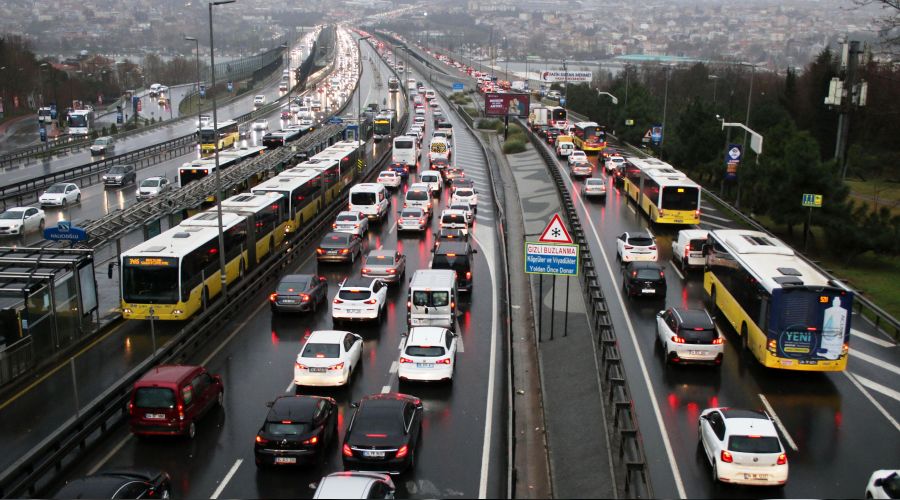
(464, 183)
(402, 170)
(451, 235)
(124, 483)
(299, 293)
(457, 256)
(383, 433)
(552, 134)
(644, 278)
(297, 430)
(452, 173)
(440, 164)
(339, 247)
(281, 137)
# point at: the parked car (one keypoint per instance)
(60, 195)
(171, 399)
(21, 220)
(297, 430)
(299, 293)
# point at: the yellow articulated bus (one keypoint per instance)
(787, 314)
(329, 171)
(268, 216)
(666, 195)
(225, 136)
(351, 161)
(174, 273)
(302, 190)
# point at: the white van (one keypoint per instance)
(418, 196)
(429, 94)
(432, 299)
(405, 151)
(369, 198)
(439, 148)
(434, 180)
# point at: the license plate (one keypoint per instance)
(373, 454)
(696, 353)
(354, 311)
(424, 365)
(285, 460)
(679, 220)
(287, 301)
(332, 252)
(155, 416)
(316, 370)
(648, 290)
(756, 476)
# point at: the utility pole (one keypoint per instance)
(845, 94)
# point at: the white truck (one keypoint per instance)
(518, 85)
(539, 116)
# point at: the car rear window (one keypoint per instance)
(293, 286)
(281, 429)
(697, 245)
(453, 219)
(754, 444)
(403, 144)
(429, 178)
(457, 263)
(640, 241)
(464, 192)
(363, 198)
(648, 274)
(380, 260)
(429, 351)
(354, 294)
(699, 336)
(377, 421)
(431, 299)
(417, 195)
(335, 239)
(154, 397)
(319, 350)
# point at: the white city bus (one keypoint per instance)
(81, 122)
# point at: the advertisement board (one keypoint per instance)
(501, 104)
(560, 76)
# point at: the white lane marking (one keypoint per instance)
(855, 353)
(672, 263)
(871, 338)
(670, 455)
(290, 387)
(871, 399)
(723, 219)
(386, 389)
(875, 386)
(713, 224)
(630, 207)
(394, 367)
(227, 478)
(109, 455)
(781, 427)
(489, 406)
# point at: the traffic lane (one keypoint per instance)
(818, 408)
(257, 366)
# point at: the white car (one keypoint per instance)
(204, 121)
(389, 178)
(351, 221)
(465, 195)
(884, 484)
(152, 187)
(359, 299)
(687, 248)
(689, 336)
(355, 484)
(577, 156)
(328, 359)
(564, 149)
(631, 247)
(259, 100)
(428, 355)
(412, 219)
(434, 180)
(454, 219)
(613, 162)
(594, 186)
(464, 208)
(743, 447)
(260, 124)
(21, 220)
(60, 195)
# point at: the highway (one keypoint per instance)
(244, 104)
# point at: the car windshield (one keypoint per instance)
(117, 170)
(294, 286)
(417, 195)
(282, 429)
(150, 183)
(12, 214)
(640, 241)
(57, 188)
(424, 298)
(321, 350)
(595, 182)
(427, 351)
(754, 444)
(154, 397)
(354, 294)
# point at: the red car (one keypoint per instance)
(170, 399)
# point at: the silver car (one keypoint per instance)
(412, 219)
(388, 265)
(594, 186)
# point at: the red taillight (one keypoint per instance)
(408, 305)
(718, 341)
(402, 451)
(273, 297)
(405, 360)
(312, 441)
(726, 457)
(261, 440)
(628, 247)
(334, 225)
(346, 450)
(677, 339)
(452, 305)
(304, 297)
(320, 251)
(421, 221)
(339, 366)
(300, 366)
(653, 247)
(392, 271)
(338, 301)
(370, 301)
(345, 251)
(782, 459)
(445, 361)
(131, 408)
(468, 275)
(366, 270)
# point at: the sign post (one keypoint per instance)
(457, 87)
(733, 160)
(811, 201)
(554, 254)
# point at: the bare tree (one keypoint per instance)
(889, 23)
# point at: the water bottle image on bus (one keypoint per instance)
(833, 326)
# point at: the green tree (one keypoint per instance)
(696, 140)
(856, 230)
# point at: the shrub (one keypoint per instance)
(113, 130)
(512, 146)
(487, 124)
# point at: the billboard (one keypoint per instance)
(501, 104)
(559, 76)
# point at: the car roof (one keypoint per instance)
(419, 185)
(385, 252)
(457, 247)
(96, 486)
(298, 408)
(742, 413)
(349, 212)
(425, 336)
(642, 264)
(452, 211)
(694, 233)
(360, 282)
(595, 180)
(639, 235)
(694, 318)
(16, 209)
(346, 484)
(166, 374)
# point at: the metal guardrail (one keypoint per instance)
(619, 405)
(16, 359)
(56, 145)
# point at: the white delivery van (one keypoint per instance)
(369, 198)
(432, 299)
(434, 180)
(405, 151)
(439, 148)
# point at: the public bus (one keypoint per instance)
(201, 168)
(225, 138)
(268, 215)
(81, 121)
(302, 193)
(589, 137)
(559, 118)
(351, 155)
(787, 314)
(666, 195)
(383, 126)
(173, 274)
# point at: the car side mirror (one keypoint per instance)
(659, 314)
(704, 417)
(354, 404)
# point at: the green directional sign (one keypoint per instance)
(812, 200)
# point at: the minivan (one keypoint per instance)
(687, 249)
(170, 399)
(434, 181)
(432, 298)
(456, 256)
(418, 196)
(370, 198)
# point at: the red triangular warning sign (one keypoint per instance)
(555, 232)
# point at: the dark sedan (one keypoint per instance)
(299, 293)
(440, 164)
(402, 169)
(644, 278)
(383, 433)
(297, 430)
(463, 183)
(339, 247)
(125, 483)
(453, 173)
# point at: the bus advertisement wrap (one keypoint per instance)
(825, 339)
(502, 104)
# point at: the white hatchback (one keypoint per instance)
(631, 247)
(351, 221)
(60, 195)
(328, 359)
(742, 447)
(465, 195)
(577, 156)
(389, 178)
(428, 355)
(359, 299)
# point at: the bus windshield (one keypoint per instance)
(382, 127)
(188, 175)
(207, 135)
(78, 121)
(150, 284)
(680, 198)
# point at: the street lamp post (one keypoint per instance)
(194, 39)
(212, 67)
(737, 201)
(715, 80)
(615, 101)
(359, 121)
(662, 140)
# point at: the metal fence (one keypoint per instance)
(16, 359)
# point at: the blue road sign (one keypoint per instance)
(553, 259)
(732, 161)
(457, 87)
(43, 133)
(335, 120)
(656, 133)
(65, 231)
